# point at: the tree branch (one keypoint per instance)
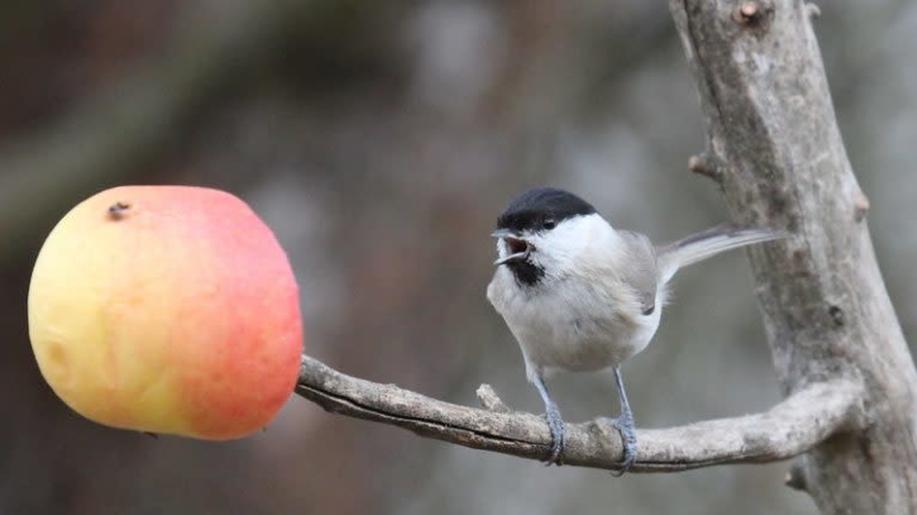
(792, 427)
(771, 127)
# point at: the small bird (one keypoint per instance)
(579, 295)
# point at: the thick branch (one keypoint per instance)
(792, 427)
(771, 127)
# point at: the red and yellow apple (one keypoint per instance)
(167, 309)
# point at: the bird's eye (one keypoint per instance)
(549, 224)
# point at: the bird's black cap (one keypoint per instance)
(539, 208)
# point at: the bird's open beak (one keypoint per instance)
(519, 249)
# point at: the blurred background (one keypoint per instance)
(380, 140)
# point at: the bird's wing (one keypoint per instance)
(639, 269)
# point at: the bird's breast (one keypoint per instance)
(574, 325)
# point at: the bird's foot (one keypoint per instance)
(556, 425)
(625, 425)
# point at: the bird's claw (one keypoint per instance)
(625, 425)
(556, 425)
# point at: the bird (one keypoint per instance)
(579, 295)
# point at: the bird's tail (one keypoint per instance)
(705, 244)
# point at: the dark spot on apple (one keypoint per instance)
(116, 210)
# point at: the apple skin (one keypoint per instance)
(167, 309)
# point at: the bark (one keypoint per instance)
(774, 146)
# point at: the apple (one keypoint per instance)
(167, 309)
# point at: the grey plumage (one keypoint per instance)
(705, 244)
(641, 270)
(646, 265)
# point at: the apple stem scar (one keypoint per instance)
(116, 210)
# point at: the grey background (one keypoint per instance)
(380, 140)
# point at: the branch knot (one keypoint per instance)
(704, 164)
(753, 13)
(490, 400)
